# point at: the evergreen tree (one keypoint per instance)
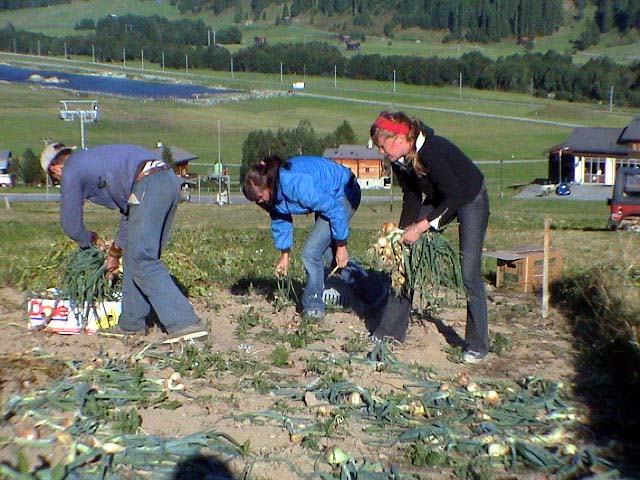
(239, 15)
(604, 15)
(30, 170)
(345, 134)
(167, 157)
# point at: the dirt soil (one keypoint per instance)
(534, 346)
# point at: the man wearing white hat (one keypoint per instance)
(146, 191)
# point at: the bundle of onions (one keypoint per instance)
(425, 267)
(390, 254)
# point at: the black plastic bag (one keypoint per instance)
(394, 320)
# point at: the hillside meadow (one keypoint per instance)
(59, 21)
(489, 126)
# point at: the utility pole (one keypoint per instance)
(611, 100)
(531, 93)
(394, 81)
(219, 167)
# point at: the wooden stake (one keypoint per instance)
(545, 268)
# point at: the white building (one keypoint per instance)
(593, 155)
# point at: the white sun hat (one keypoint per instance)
(49, 154)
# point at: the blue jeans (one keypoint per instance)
(317, 250)
(473, 218)
(146, 282)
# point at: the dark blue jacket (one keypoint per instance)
(103, 175)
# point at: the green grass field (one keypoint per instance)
(30, 113)
(59, 21)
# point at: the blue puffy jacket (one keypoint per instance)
(306, 185)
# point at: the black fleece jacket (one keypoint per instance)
(451, 181)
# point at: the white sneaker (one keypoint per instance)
(471, 356)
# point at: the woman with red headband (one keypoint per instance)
(439, 183)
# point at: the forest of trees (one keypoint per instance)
(471, 20)
(18, 4)
(540, 74)
(482, 20)
(131, 34)
(286, 143)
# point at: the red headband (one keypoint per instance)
(391, 126)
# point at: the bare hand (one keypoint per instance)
(342, 256)
(98, 242)
(282, 267)
(112, 265)
(410, 235)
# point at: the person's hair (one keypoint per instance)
(261, 175)
(379, 134)
(61, 157)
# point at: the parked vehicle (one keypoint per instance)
(625, 202)
(6, 180)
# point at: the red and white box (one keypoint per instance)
(61, 316)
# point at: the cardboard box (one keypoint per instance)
(522, 268)
(61, 316)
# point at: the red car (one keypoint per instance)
(625, 203)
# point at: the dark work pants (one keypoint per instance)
(474, 218)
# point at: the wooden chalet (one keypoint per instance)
(593, 154)
(365, 161)
(181, 158)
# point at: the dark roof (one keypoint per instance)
(632, 132)
(179, 155)
(355, 152)
(594, 140)
(5, 155)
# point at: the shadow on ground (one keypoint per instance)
(607, 372)
(201, 467)
(448, 332)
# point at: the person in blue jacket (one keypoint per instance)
(304, 185)
(146, 191)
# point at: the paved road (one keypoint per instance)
(235, 199)
(585, 192)
(401, 106)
